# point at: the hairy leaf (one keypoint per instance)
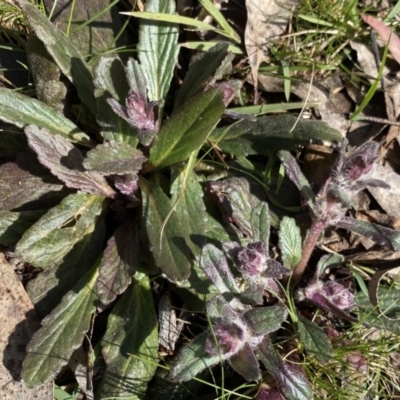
(187, 129)
(158, 49)
(119, 262)
(14, 224)
(290, 242)
(314, 340)
(266, 319)
(114, 158)
(64, 53)
(201, 72)
(379, 234)
(130, 344)
(260, 224)
(246, 364)
(65, 161)
(51, 238)
(21, 110)
(106, 87)
(290, 379)
(26, 185)
(271, 133)
(191, 359)
(168, 242)
(214, 264)
(52, 346)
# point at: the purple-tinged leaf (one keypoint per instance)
(290, 379)
(314, 340)
(296, 176)
(65, 161)
(244, 362)
(269, 394)
(379, 234)
(252, 260)
(275, 270)
(375, 183)
(260, 224)
(192, 358)
(127, 184)
(114, 158)
(265, 319)
(253, 295)
(214, 264)
(328, 261)
(120, 259)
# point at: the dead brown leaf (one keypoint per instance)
(18, 323)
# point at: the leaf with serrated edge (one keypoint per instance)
(51, 238)
(168, 245)
(187, 129)
(266, 319)
(192, 358)
(52, 346)
(158, 49)
(130, 344)
(314, 340)
(21, 110)
(64, 53)
(201, 71)
(119, 262)
(214, 264)
(290, 242)
(114, 158)
(260, 224)
(65, 162)
(379, 234)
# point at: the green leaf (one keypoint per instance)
(65, 161)
(314, 340)
(201, 71)
(52, 346)
(130, 344)
(265, 319)
(187, 129)
(14, 224)
(21, 110)
(114, 158)
(63, 52)
(119, 262)
(191, 359)
(328, 261)
(106, 87)
(158, 49)
(188, 195)
(260, 224)
(51, 238)
(271, 133)
(168, 242)
(290, 242)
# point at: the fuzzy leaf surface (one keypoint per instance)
(114, 158)
(188, 193)
(266, 319)
(246, 364)
(187, 129)
(214, 264)
(168, 245)
(65, 161)
(14, 224)
(119, 262)
(271, 133)
(314, 340)
(158, 49)
(191, 359)
(106, 87)
(290, 242)
(52, 346)
(26, 185)
(130, 344)
(201, 72)
(378, 233)
(54, 235)
(290, 379)
(21, 110)
(64, 53)
(260, 224)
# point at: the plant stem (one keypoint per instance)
(308, 247)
